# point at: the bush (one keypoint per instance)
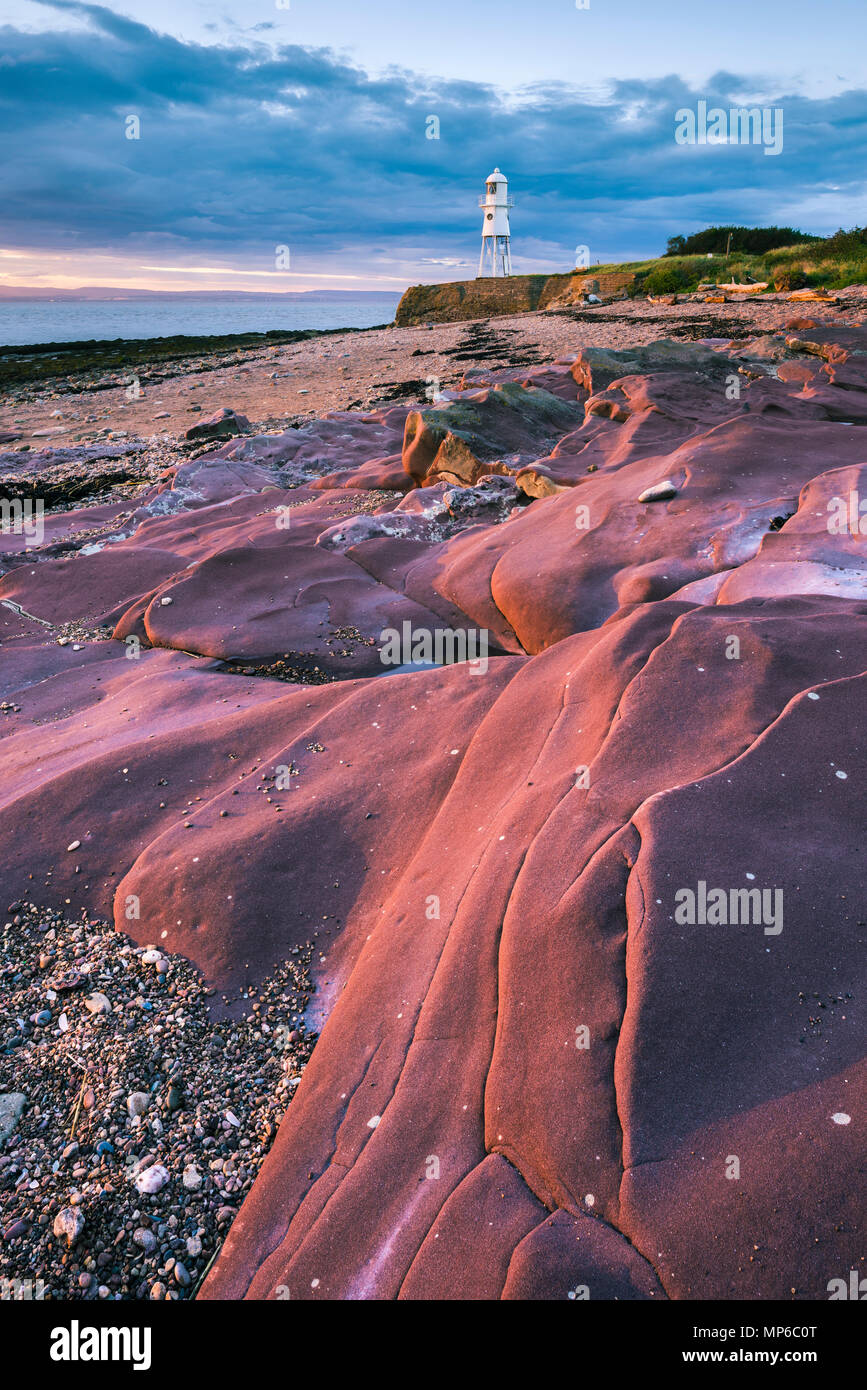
(788, 277)
(852, 243)
(673, 279)
(752, 240)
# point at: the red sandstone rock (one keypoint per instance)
(534, 1075)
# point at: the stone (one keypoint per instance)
(69, 1224)
(12, 1105)
(225, 424)
(192, 1179)
(152, 1180)
(660, 492)
(138, 1102)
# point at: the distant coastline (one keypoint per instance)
(76, 317)
(110, 293)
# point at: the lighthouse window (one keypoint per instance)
(489, 217)
(492, 188)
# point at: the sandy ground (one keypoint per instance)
(274, 386)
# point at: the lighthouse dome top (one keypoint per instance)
(496, 177)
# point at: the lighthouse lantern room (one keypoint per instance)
(496, 257)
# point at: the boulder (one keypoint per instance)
(464, 437)
(224, 424)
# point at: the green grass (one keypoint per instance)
(832, 263)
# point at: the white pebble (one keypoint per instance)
(192, 1180)
(152, 1180)
(138, 1102)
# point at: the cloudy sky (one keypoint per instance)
(304, 124)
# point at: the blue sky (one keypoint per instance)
(304, 125)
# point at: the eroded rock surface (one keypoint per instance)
(538, 1076)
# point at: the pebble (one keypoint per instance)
(69, 1224)
(97, 1003)
(193, 1071)
(145, 1239)
(76, 844)
(12, 1105)
(152, 1180)
(659, 492)
(192, 1179)
(138, 1102)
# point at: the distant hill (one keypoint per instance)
(119, 292)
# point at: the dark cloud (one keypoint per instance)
(245, 146)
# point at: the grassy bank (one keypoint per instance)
(834, 263)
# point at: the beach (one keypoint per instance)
(273, 385)
(439, 986)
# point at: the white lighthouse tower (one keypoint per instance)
(496, 237)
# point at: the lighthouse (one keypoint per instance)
(496, 257)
